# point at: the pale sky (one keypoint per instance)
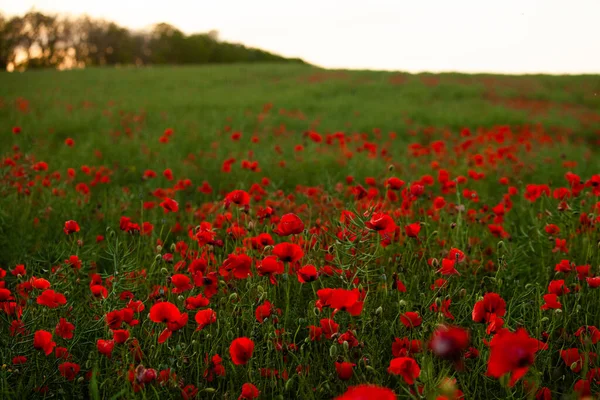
(505, 36)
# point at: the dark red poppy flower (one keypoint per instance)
(120, 336)
(182, 283)
(413, 229)
(289, 224)
(42, 340)
(205, 317)
(19, 270)
(249, 392)
(105, 347)
(71, 227)
(367, 392)
(344, 370)
(558, 287)
(402, 347)
(588, 332)
(238, 197)
(169, 205)
(164, 312)
(492, 304)
(236, 265)
(308, 273)
(288, 252)
(263, 311)
(406, 367)
(341, 299)
(69, 370)
(381, 222)
(551, 302)
(411, 319)
(512, 353)
(573, 359)
(241, 350)
(64, 329)
(51, 299)
(189, 392)
(19, 360)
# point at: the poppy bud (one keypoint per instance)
(233, 296)
(575, 366)
(462, 293)
(402, 303)
(453, 225)
(159, 248)
(333, 351)
(391, 167)
(379, 310)
(346, 346)
(164, 271)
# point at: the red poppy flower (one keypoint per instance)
(593, 282)
(195, 302)
(590, 332)
(238, 197)
(105, 347)
(249, 392)
(182, 283)
(402, 347)
(341, 299)
(120, 336)
(512, 353)
(169, 205)
(367, 392)
(241, 350)
(308, 273)
(205, 318)
(64, 329)
(40, 283)
(19, 360)
(42, 340)
(563, 266)
(51, 299)
(406, 367)
(164, 312)
(558, 287)
(263, 311)
(215, 367)
(411, 319)
(19, 270)
(288, 252)
(413, 229)
(448, 267)
(551, 302)
(344, 370)
(289, 224)
(381, 222)
(71, 227)
(69, 370)
(236, 265)
(492, 304)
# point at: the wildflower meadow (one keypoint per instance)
(287, 232)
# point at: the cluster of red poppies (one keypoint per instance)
(373, 287)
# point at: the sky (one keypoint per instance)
(501, 36)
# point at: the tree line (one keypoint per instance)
(37, 40)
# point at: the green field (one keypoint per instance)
(295, 135)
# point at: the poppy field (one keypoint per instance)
(283, 231)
